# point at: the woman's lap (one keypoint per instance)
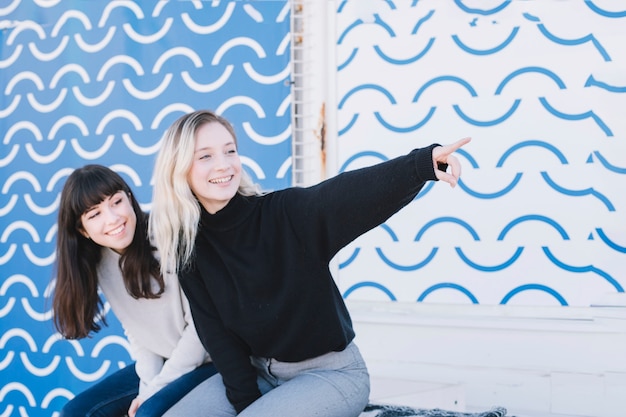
(112, 396)
(334, 385)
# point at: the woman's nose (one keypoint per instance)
(111, 215)
(221, 162)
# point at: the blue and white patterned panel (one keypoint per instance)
(539, 217)
(99, 82)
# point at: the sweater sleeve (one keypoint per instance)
(340, 209)
(231, 356)
(147, 365)
(188, 354)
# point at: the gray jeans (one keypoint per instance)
(336, 384)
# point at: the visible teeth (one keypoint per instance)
(221, 180)
(117, 231)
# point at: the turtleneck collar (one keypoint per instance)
(233, 214)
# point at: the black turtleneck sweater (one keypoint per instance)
(260, 283)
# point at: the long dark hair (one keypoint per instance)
(76, 305)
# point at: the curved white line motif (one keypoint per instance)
(284, 13)
(84, 376)
(158, 7)
(20, 224)
(23, 25)
(66, 69)
(207, 88)
(146, 207)
(9, 254)
(47, 292)
(4, 11)
(245, 100)
(10, 205)
(45, 371)
(284, 167)
(35, 260)
(122, 114)
(9, 158)
(179, 50)
(266, 140)
(64, 172)
(65, 17)
(94, 154)
(66, 120)
(12, 59)
(253, 13)
(35, 315)
(53, 230)
(120, 59)
(284, 45)
(205, 30)
(47, 346)
(49, 56)
(239, 41)
(284, 106)
(39, 210)
(147, 39)
(96, 47)
(8, 412)
(47, 108)
(143, 151)
(16, 332)
(19, 279)
(24, 75)
(26, 125)
(266, 79)
(8, 358)
(16, 386)
(4, 311)
(167, 110)
(110, 340)
(254, 166)
(147, 95)
(131, 5)
(55, 393)
(11, 107)
(96, 101)
(46, 3)
(121, 168)
(21, 175)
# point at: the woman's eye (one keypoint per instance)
(92, 215)
(118, 201)
(232, 151)
(205, 156)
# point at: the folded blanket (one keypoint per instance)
(374, 410)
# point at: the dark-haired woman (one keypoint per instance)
(102, 244)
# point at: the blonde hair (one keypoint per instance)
(175, 212)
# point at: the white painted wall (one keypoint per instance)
(547, 361)
(543, 94)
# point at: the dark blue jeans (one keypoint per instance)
(112, 396)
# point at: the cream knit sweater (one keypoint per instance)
(162, 336)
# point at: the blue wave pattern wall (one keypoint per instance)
(99, 82)
(539, 217)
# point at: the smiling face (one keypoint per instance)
(111, 223)
(215, 172)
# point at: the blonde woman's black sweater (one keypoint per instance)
(260, 283)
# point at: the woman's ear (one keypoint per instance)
(83, 232)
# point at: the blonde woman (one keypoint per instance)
(255, 269)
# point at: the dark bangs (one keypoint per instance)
(94, 186)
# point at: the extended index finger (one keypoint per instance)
(458, 144)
